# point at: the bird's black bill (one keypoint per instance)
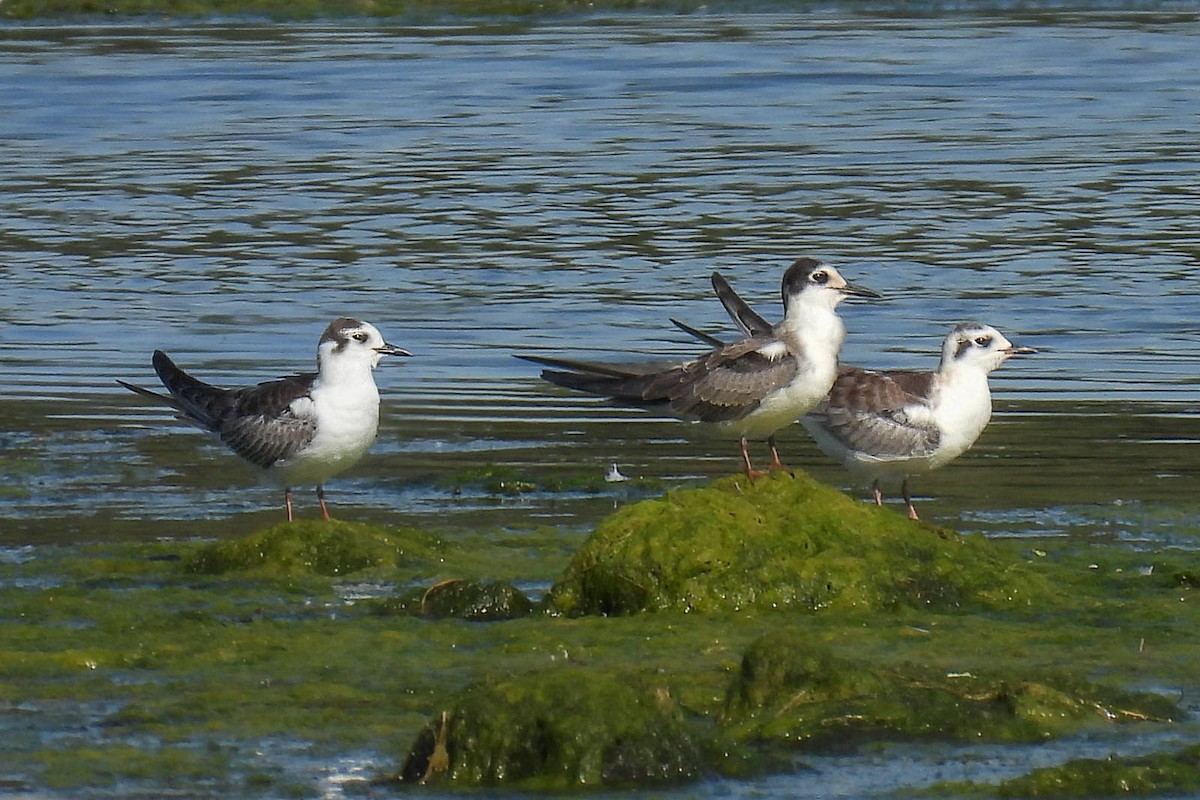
(1019, 350)
(391, 350)
(855, 290)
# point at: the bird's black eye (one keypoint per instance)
(361, 336)
(820, 278)
(983, 341)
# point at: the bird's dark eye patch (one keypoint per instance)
(820, 278)
(983, 341)
(359, 337)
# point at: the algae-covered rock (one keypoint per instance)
(321, 547)
(790, 690)
(780, 542)
(478, 601)
(1176, 774)
(561, 729)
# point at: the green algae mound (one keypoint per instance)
(477, 601)
(781, 542)
(573, 726)
(792, 690)
(320, 547)
(1176, 774)
(559, 729)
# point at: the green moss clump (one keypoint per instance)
(560, 729)
(782, 542)
(477, 601)
(792, 690)
(1176, 774)
(328, 547)
(109, 764)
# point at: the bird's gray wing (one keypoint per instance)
(738, 309)
(197, 402)
(264, 425)
(258, 423)
(884, 414)
(707, 338)
(624, 383)
(728, 383)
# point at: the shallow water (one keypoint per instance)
(222, 190)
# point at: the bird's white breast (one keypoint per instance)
(962, 408)
(347, 417)
(814, 344)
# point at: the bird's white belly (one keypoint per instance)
(786, 405)
(347, 423)
(961, 413)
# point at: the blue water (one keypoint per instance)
(221, 190)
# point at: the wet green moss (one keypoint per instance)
(793, 690)
(325, 547)
(477, 601)
(782, 543)
(1176, 774)
(565, 728)
(221, 672)
(109, 765)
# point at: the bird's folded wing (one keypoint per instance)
(728, 383)
(264, 424)
(885, 415)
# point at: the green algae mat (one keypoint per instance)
(728, 631)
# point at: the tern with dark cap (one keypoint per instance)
(747, 389)
(302, 429)
(898, 423)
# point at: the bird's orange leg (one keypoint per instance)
(912, 510)
(287, 502)
(321, 500)
(776, 464)
(751, 472)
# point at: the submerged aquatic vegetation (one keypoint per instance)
(792, 690)
(1176, 774)
(205, 656)
(1172, 774)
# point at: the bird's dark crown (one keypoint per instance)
(339, 331)
(799, 275)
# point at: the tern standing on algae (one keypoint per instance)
(302, 429)
(897, 423)
(747, 389)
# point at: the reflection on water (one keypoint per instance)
(222, 191)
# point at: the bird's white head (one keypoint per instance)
(353, 344)
(974, 346)
(810, 284)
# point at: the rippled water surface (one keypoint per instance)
(221, 191)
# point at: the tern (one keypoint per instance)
(894, 424)
(302, 429)
(747, 389)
